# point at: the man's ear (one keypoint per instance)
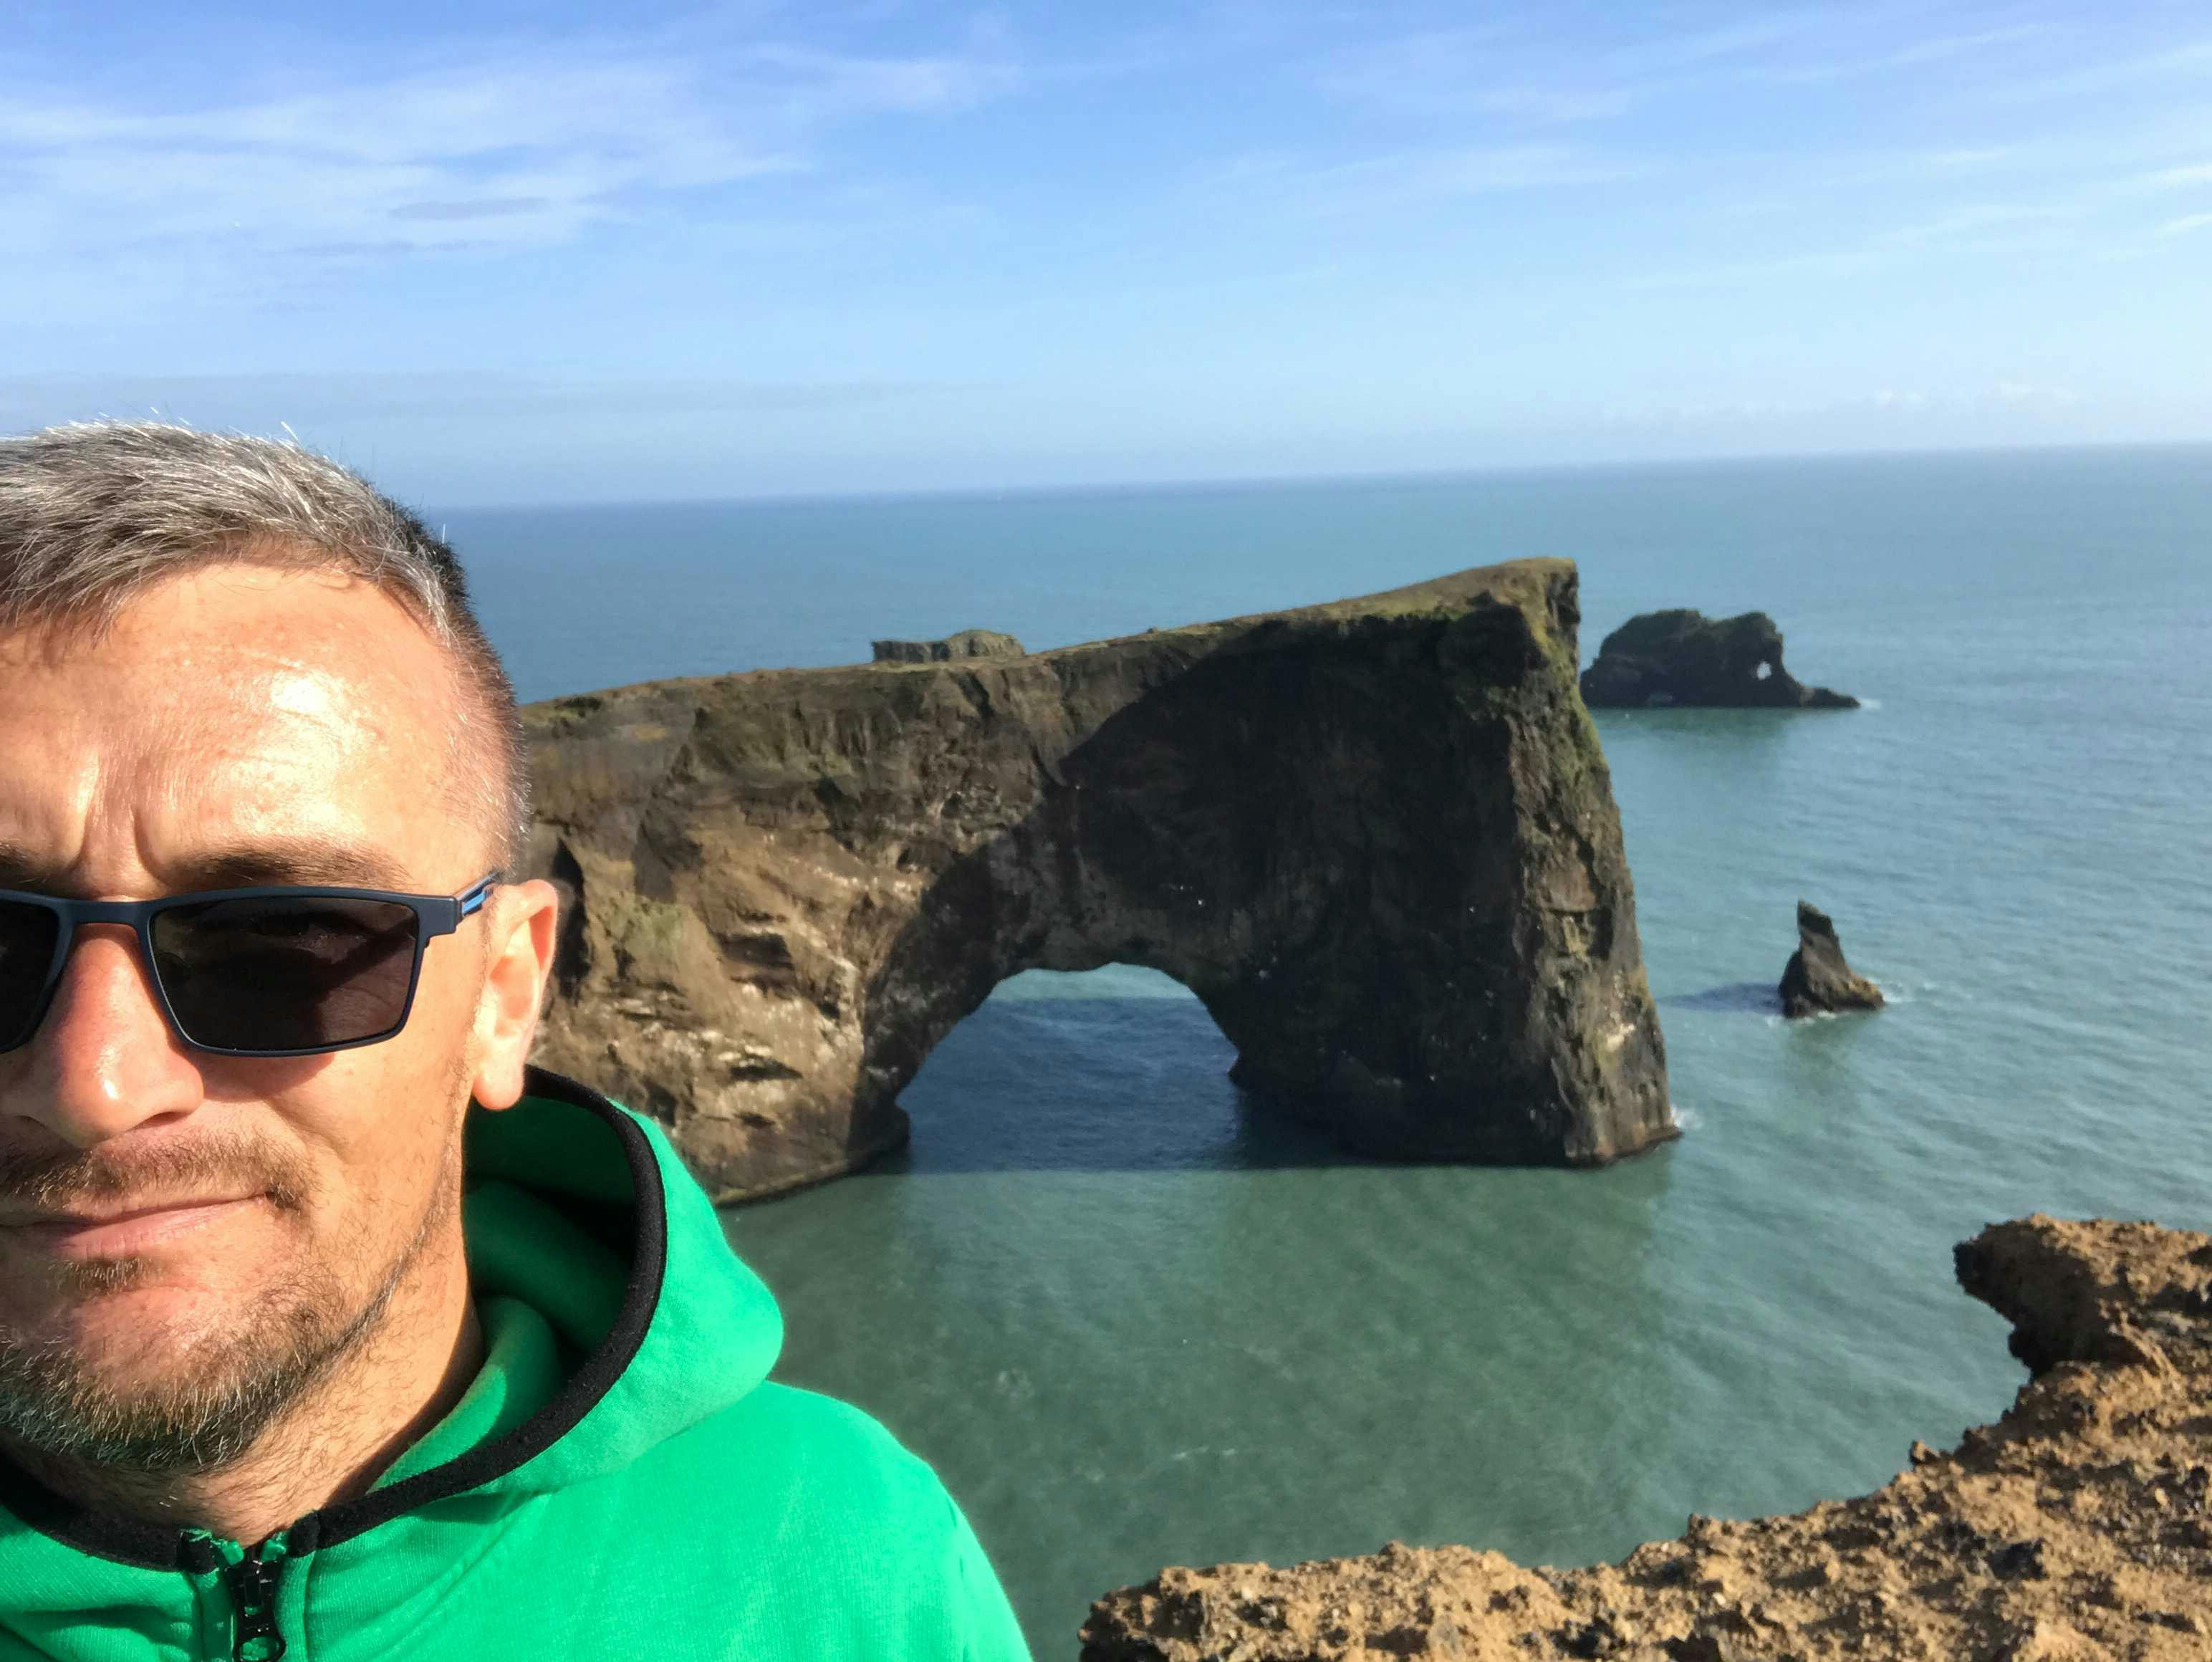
(523, 923)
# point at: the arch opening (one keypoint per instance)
(1117, 1068)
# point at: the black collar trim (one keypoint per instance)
(158, 1546)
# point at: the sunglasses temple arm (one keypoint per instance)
(469, 903)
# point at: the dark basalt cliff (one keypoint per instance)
(1377, 838)
(1685, 657)
(2077, 1527)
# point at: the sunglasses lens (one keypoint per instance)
(285, 973)
(26, 953)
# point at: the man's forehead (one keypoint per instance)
(232, 735)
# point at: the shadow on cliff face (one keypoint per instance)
(1374, 853)
(1091, 1077)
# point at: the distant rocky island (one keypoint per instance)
(1377, 838)
(1684, 657)
(2078, 1526)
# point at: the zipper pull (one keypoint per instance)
(253, 1581)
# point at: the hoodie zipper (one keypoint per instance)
(252, 1587)
(253, 1581)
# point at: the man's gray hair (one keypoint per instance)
(94, 514)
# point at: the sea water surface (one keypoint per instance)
(1133, 1322)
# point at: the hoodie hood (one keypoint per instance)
(582, 1212)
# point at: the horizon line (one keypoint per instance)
(1234, 482)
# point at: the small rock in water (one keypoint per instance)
(1816, 978)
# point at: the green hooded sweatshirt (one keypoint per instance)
(619, 1480)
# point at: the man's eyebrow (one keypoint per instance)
(302, 861)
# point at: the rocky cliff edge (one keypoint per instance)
(2078, 1528)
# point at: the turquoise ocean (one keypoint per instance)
(1134, 1322)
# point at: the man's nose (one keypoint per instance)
(104, 1061)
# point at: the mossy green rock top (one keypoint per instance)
(1377, 838)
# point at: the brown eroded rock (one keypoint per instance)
(1377, 838)
(2078, 1528)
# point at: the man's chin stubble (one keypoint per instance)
(211, 1402)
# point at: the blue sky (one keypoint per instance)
(504, 252)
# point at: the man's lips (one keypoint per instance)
(112, 1233)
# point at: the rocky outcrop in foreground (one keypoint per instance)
(1816, 979)
(1684, 657)
(2078, 1527)
(1377, 838)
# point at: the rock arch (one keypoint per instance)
(1376, 839)
(1683, 657)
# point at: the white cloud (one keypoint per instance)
(2171, 178)
(1976, 229)
(1986, 156)
(1406, 178)
(2185, 224)
(829, 86)
(2030, 395)
(261, 402)
(1517, 75)
(1728, 40)
(2184, 63)
(1912, 405)
(518, 149)
(1935, 50)
(1945, 48)
(1423, 174)
(1449, 73)
(1981, 227)
(1811, 266)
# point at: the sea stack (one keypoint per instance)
(1816, 978)
(1684, 657)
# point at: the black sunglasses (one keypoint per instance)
(243, 972)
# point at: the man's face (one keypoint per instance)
(184, 1235)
